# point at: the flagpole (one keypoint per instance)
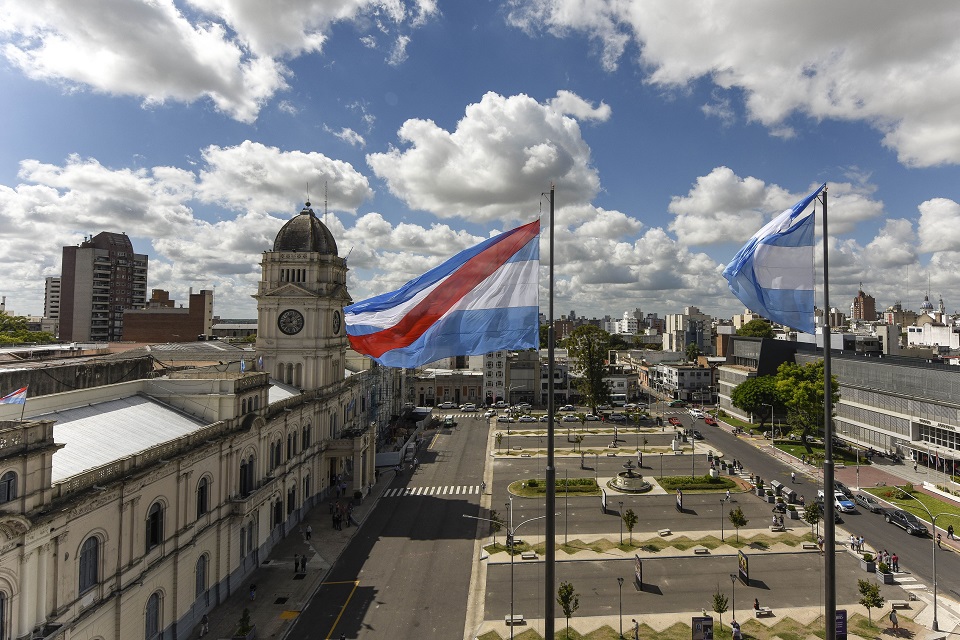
(829, 527)
(549, 577)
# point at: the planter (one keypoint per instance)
(886, 578)
(794, 515)
(771, 499)
(761, 493)
(714, 473)
(868, 565)
(250, 635)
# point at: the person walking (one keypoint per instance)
(895, 623)
(204, 625)
(938, 541)
(296, 563)
(950, 532)
(309, 531)
(793, 477)
(636, 629)
(735, 632)
(253, 592)
(895, 562)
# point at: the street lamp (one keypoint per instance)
(620, 582)
(722, 500)
(933, 545)
(511, 532)
(856, 451)
(733, 581)
(661, 464)
(772, 430)
(621, 522)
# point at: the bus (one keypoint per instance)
(618, 399)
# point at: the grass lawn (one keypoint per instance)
(933, 503)
(761, 541)
(839, 455)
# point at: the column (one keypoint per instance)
(24, 620)
(43, 558)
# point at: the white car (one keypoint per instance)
(447, 405)
(468, 407)
(592, 418)
(500, 404)
(570, 418)
(505, 419)
(527, 418)
(489, 413)
(630, 405)
(568, 407)
(544, 418)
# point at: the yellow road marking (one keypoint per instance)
(356, 583)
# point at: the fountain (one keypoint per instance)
(629, 481)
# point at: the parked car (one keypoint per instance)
(489, 413)
(843, 503)
(568, 407)
(630, 405)
(617, 417)
(468, 407)
(544, 418)
(693, 433)
(500, 404)
(675, 421)
(592, 418)
(906, 521)
(570, 418)
(868, 502)
(447, 405)
(527, 418)
(505, 419)
(677, 403)
(710, 420)
(842, 488)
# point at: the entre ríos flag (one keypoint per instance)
(17, 397)
(483, 299)
(773, 273)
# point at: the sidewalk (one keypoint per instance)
(281, 592)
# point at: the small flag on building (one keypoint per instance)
(17, 397)
(260, 363)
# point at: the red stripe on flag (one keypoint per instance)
(450, 292)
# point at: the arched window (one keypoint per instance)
(291, 499)
(8, 487)
(154, 525)
(305, 437)
(201, 579)
(291, 445)
(151, 616)
(203, 496)
(256, 402)
(89, 565)
(276, 451)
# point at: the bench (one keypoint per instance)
(513, 620)
(528, 555)
(664, 532)
(525, 455)
(780, 529)
(810, 545)
(701, 550)
(899, 604)
(678, 453)
(762, 611)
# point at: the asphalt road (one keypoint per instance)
(406, 575)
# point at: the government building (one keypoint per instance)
(138, 490)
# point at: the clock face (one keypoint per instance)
(336, 322)
(290, 322)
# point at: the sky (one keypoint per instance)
(672, 130)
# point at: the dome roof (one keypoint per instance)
(305, 232)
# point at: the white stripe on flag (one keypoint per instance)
(783, 267)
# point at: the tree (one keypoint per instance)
(499, 438)
(618, 342)
(496, 523)
(630, 521)
(800, 390)
(753, 393)
(588, 347)
(13, 330)
(737, 519)
(693, 350)
(720, 603)
(569, 601)
(578, 439)
(813, 514)
(544, 328)
(756, 328)
(869, 596)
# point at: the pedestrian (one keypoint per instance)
(253, 591)
(914, 466)
(793, 477)
(820, 544)
(860, 544)
(333, 516)
(736, 634)
(893, 619)
(853, 542)
(938, 541)
(204, 625)
(895, 562)
(803, 501)
(950, 532)
(728, 495)
(303, 563)
(756, 604)
(636, 629)
(296, 563)
(309, 531)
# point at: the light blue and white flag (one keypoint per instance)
(773, 273)
(17, 397)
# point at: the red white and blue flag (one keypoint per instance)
(483, 299)
(17, 397)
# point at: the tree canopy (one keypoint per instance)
(588, 347)
(756, 328)
(801, 390)
(693, 351)
(13, 330)
(752, 394)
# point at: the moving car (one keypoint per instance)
(843, 503)
(868, 502)
(489, 413)
(696, 413)
(630, 405)
(675, 421)
(568, 407)
(448, 422)
(693, 433)
(544, 418)
(906, 521)
(468, 407)
(677, 403)
(710, 420)
(447, 405)
(842, 488)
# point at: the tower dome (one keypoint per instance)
(305, 233)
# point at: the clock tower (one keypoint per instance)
(300, 300)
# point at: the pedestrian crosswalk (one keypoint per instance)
(445, 490)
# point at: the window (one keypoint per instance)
(8, 487)
(201, 584)
(291, 445)
(203, 496)
(89, 565)
(154, 525)
(305, 437)
(152, 618)
(276, 451)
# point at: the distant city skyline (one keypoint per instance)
(671, 137)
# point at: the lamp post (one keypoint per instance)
(933, 545)
(621, 520)
(511, 532)
(772, 430)
(733, 581)
(661, 464)
(722, 500)
(856, 451)
(620, 583)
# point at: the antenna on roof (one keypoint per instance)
(324, 202)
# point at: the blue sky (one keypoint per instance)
(673, 131)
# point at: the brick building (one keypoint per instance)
(162, 321)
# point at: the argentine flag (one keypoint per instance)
(773, 273)
(483, 299)
(17, 397)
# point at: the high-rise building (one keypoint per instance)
(100, 279)
(864, 307)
